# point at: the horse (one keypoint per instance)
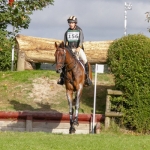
(74, 79)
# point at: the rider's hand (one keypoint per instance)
(78, 49)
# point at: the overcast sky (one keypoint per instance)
(99, 19)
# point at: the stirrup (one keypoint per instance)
(88, 81)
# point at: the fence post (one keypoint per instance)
(29, 123)
(108, 112)
(21, 61)
(108, 106)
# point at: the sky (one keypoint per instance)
(100, 20)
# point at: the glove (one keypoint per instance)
(78, 49)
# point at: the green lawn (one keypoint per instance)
(47, 141)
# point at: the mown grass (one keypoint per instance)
(47, 141)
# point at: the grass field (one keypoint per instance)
(15, 91)
(37, 91)
(47, 141)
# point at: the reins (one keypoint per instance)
(75, 61)
(63, 62)
(64, 56)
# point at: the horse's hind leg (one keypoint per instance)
(71, 111)
(72, 128)
(75, 122)
(77, 105)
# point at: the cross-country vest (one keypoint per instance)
(73, 37)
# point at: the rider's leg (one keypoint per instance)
(83, 57)
(88, 81)
(62, 76)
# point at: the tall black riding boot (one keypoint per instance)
(62, 76)
(88, 80)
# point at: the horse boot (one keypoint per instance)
(61, 80)
(75, 122)
(88, 80)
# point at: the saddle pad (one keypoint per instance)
(81, 62)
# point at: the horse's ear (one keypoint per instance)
(56, 45)
(63, 44)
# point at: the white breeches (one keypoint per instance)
(80, 55)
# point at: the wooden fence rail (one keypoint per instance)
(108, 112)
(33, 121)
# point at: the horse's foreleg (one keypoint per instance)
(71, 111)
(70, 97)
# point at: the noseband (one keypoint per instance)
(64, 57)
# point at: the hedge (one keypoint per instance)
(129, 61)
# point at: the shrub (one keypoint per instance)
(129, 61)
(5, 52)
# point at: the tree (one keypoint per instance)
(16, 13)
(148, 19)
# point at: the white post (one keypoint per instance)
(98, 69)
(94, 102)
(12, 54)
(128, 6)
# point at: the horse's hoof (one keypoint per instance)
(72, 130)
(75, 122)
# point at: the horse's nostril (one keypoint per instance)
(60, 70)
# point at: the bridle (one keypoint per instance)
(63, 60)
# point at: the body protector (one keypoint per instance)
(74, 38)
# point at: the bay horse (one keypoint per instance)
(74, 79)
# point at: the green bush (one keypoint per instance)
(5, 52)
(129, 61)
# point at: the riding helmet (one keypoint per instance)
(72, 19)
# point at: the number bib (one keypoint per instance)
(73, 35)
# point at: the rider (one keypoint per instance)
(74, 39)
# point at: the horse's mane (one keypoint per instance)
(68, 48)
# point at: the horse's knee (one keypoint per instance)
(70, 104)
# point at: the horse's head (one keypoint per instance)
(60, 55)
